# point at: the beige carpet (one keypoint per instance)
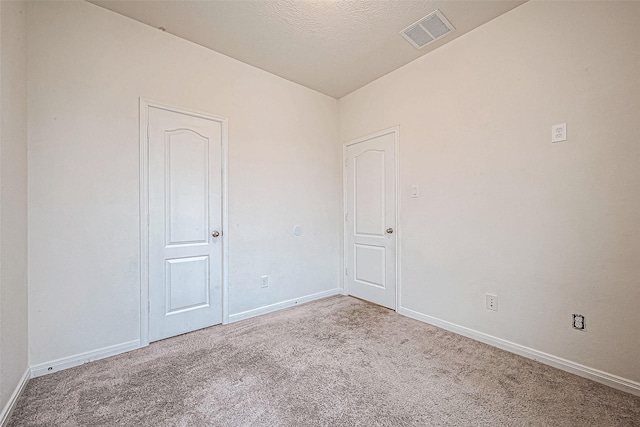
(335, 362)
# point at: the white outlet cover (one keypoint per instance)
(578, 322)
(559, 132)
(489, 299)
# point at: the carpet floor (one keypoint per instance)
(333, 362)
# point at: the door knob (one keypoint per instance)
(215, 233)
(389, 230)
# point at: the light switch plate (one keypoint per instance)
(414, 191)
(559, 132)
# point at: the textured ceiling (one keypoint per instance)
(334, 47)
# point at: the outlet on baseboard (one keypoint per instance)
(492, 302)
(265, 281)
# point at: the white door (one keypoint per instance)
(185, 219)
(370, 254)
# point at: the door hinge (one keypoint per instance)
(346, 271)
(346, 163)
(346, 216)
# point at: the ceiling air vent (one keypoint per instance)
(428, 29)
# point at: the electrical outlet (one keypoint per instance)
(559, 132)
(265, 281)
(492, 302)
(578, 322)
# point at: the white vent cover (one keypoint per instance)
(428, 29)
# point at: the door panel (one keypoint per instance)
(369, 192)
(369, 266)
(187, 283)
(187, 190)
(371, 220)
(185, 206)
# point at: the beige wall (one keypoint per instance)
(87, 68)
(552, 229)
(13, 199)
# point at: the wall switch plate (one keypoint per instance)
(492, 302)
(414, 191)
(265, 281)
(578, 322)
(559, 132)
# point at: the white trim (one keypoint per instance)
(398, 225)
(145, 104)
(82, 358)
(343, 263)
(144, 223)
(225, 222)
(281, 305)
(596, 375)
(8, 408)
(396, 144)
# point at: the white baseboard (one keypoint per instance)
(8, 408)
(90, 356)
(605, 378)
(82, 358)
(284, 304)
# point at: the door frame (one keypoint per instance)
(396, 143)
(144, 106)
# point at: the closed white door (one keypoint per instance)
(370, 235)
(185, 219)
